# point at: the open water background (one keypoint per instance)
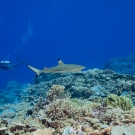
(85, 32)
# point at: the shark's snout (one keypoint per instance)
(82, 67)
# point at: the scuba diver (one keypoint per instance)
(7, 65)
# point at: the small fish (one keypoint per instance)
(111, 99)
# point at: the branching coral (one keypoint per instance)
(56, 92)
(67, 108)
(118, 101)
(81, 130)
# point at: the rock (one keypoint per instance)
(123, 130)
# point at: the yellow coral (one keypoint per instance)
(118, 101)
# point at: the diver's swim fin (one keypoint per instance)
(17, 58)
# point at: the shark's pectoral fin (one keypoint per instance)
(52, 72)
(61, 74)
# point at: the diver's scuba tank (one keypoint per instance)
(5, 62)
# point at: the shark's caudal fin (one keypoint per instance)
(34, 69)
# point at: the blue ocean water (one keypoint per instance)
(82, 32)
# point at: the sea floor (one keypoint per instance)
(92, 102)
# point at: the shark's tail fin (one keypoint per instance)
(34, 69)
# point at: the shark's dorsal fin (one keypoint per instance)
(60, 62)
(45, 67)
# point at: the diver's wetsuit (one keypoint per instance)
(6, 65)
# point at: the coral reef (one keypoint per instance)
(13, 85)
(93, 102)
(45, 77)
(45, 131)
(118, 101)
(123, 65)
(12, 93)
(65, 115)
(56, 92)
(91, 84)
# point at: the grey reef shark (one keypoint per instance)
(60, 68)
